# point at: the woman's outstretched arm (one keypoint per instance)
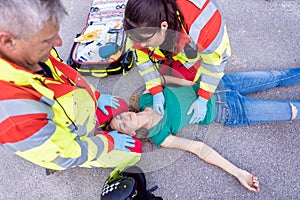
(209, 155)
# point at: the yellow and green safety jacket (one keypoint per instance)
(51, 121)
(205, 30)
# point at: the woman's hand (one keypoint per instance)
(248, 180)
(210, 156)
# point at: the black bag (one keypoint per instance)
(101, 49)
(129, 184)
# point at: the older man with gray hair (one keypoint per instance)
(49, 114)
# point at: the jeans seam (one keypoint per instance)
(271, 82)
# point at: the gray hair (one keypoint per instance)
(25, 18)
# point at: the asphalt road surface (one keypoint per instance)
(264, 35)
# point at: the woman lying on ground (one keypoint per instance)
(227, 106)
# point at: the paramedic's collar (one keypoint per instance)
(46, 72)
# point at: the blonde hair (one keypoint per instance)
(134, 102)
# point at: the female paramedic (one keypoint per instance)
(181, 38)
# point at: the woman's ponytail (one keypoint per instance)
(173, 14)
(174, 19)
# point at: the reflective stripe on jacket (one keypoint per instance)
(50, 122)
(206, 29)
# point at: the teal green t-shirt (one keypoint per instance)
(178, 101)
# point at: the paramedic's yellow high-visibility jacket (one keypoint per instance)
(51, 121)
(205, 28)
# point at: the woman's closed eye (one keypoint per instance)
(122, 126)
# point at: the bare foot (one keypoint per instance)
(249, 181)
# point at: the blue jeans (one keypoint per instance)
(233, 108)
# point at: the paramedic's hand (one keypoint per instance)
(107, 100)
(199, 108)
(121, 141)
(158, 103)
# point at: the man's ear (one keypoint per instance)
(7, 40)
